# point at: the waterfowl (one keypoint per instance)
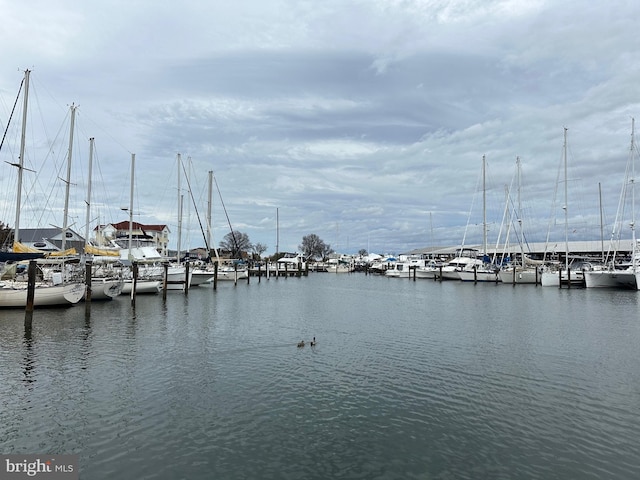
(301, 343)
(313, 342)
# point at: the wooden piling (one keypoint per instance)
(87, 281)
(31, 294)
(186, 278)
(165, 267)
(134, 282)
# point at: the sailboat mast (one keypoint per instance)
(521, 233)
(484, 208)
(209, 208)
(65, 220)
(88, 215)
(179, 209)
(566, 197)
(133, 169)
(23, 137)
(633, 197)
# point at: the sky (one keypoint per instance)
(364, 122)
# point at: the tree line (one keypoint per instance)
(238, 243)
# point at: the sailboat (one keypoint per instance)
(50, 287)
(556, 277)
(106, 280)
(148, 279)
(628, 277)
(486, 272)
(527, 271)
(177, 272)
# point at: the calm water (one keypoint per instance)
(409, 380)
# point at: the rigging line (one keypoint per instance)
(233, 235)
(195, 207)
(11, 116)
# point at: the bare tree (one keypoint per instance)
(237, 243)
(259, 249)
(313, 247)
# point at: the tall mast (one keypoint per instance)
(16, 230)
(521, 233)
(88, 201)
(209, 208)
(179, 209)
(65, 220)
(484, 208)
(633, 197)
(133, 169)
(566, 196)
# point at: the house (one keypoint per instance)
(50, 239)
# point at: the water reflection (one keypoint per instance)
(28, 360)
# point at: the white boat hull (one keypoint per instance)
(529, 276)
(554, 279)
(231, 274)
(106, 288)
(142, 286)
(428, 273)
(14, 294)
(610, 279)
(478, 276)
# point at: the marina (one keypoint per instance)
(407, 379)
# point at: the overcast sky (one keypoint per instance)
(364, 122)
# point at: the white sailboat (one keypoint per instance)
(106, 283)
(146, 258)
(628, 277)
(50, 288)
(557, 277)
(527, 271)
(485, 272)
(177, 272)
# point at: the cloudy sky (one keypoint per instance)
(362, 121)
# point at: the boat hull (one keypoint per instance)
(478, 276)
(106, 288)
(143, 286)
(610, 279)
(526, 276)
(14, 295)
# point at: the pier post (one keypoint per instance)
(31, 294)
(475, 274)
(165, 266)
(215, 276)
(186, 278)
(134, 283)
(259, 271)
(560, 278)
(87, 281)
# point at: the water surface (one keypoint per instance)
(408, 380)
